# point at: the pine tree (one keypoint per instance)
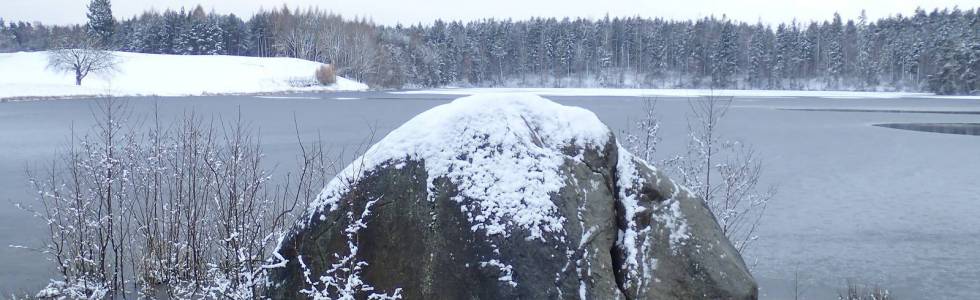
(782, 55)
(498, 50)
(866, 67)
(547, 54)
(234, 35)
(604, 54)
(698, 52)
(725, 58)
(211, 39)
(759, 58)
(960, 71)
(454, 49)
(891, 53)
(183, 38)
(945, 82)
(971, 70)
(260, 36)
(6, 38)
(809, 52)
(101, 24)
(565, 49)
(835, 54)
(435, 44)
(173, 34)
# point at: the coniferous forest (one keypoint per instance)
(937, 51)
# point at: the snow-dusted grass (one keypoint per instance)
(27, 75)
(684, 93)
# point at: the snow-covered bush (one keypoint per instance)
(642, 139)
(185, 211)
(856, 291)
(79, 288)
(326, 75)
(724, 173)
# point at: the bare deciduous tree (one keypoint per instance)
(81, 59)
(643, 138)
(185, 211)
(724, 173)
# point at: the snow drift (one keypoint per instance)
(27, 75)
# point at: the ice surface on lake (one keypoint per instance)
(893, 207)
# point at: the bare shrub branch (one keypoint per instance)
(188, 210)
(855, 291)
(724, 173)
(642, 139)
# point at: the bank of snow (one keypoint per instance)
(618, 92)
(27, 75)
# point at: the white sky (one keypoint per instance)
(410, 12)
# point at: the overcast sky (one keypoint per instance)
(414, 11)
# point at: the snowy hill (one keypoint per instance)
(26, 75)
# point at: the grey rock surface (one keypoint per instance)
(391, 227)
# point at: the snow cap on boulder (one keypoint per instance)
(506, 196)
(501, 149)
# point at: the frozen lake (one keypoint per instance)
(898, 208)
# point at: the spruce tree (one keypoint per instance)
(835, 54)
(782, 56)
(6, 38)
(894, 53)
(101, 25)
(725, 58)
(867, 70)
(759, 56)
(234, 35)
(810, 52)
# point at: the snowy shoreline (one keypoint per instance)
(283, 95)
(627, 92)
(26, 76)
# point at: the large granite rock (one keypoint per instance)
(506, 197)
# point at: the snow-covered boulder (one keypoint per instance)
(503, 197)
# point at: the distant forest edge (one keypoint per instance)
(936, 51)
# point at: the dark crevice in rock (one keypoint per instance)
(617, 258)
(621, 223)
(610, 178)
(611, 157)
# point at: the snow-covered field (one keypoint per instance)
(616, 92)
(27, 75)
